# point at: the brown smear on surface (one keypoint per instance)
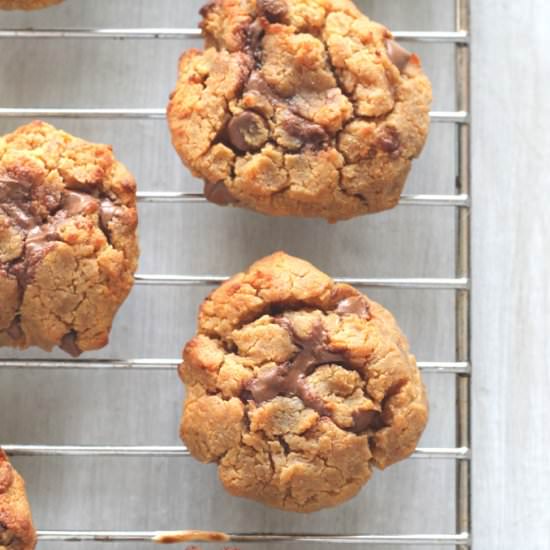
(173, 537)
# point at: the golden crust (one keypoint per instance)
(364, 406)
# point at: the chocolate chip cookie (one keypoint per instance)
(299, 107)
(298, 386)
(68, 244)
(16, 529)
(27, 4)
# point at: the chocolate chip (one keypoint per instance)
(107, 211)
(76, 203)
(356, 305)
(15, 197)
(307, 132)
(388, 140)
(40, 241)
(275, 11)
(255, 33)
(68, 344)
(257, 83)
(7, 536)
(311, 399)
(14, 330)
(14, 189)
(247, 131)
(364, 420)
(398, 55)
(18, 215)
(207, 7)
(218, 193)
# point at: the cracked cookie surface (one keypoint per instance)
(299, 107)
(298, 386)
(68, 244)
(16, 528)
(27, 4)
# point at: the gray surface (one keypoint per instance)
(511, 275)
(143, 408)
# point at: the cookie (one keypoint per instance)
(68, 244)
(298, 386)
(27, 4)
(16, 528)
(299, 107)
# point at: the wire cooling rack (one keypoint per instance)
(460, 284)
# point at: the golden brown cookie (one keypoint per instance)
(298, 386)
(16, 528)
(299, 107)
(68, 244)
(27, 4)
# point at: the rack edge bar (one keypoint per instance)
(425, 283)
(445, 37)
(452, 453)
(441, 367)
(456, 117)
(462, 200)
(153, 536)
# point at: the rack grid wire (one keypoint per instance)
(461, 368)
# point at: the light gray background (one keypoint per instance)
(511, 275)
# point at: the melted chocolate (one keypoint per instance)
(107, 211)
(40, 241)
(289, 378)
(14, 330)
(7, 536)
(76, 203)
(275, 11)
(207, 7)
(389, 140)
(257, 83)
(363, 420)
(15, 202)
(218, 193)
(19, 216)
(68, 344)
(307, 132)
(255, 33)
(356, 305)
(398, 55)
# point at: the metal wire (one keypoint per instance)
(454, 453)
(450, 37)
(418, 283)
(463, 297)
(460, 284)
(440, 367)
(461, 200)
(125, 113)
